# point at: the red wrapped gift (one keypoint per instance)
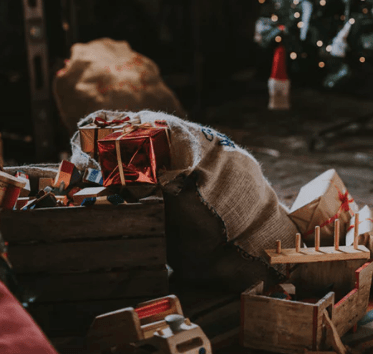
(134, 154)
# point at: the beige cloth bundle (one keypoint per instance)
(108, 74)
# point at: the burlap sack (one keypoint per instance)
(108, 74)
(217, 203)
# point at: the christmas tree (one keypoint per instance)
(328, 42)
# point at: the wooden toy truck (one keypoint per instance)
(158, 324)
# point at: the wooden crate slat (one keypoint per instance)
(56, 224)
(88, 256)
(95, 286)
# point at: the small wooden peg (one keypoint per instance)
(317, 238)
(297, 243)
(356, 231)
(278, 246)
(336, 234)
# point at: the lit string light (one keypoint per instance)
(300, 24)
(274, 18)
(321, 64)
(362, 60)
(278, 39)
(322, 2)
(296, 14)
(293, 55)
(319, 43)
(328, 48)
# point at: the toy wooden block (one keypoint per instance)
(317, 253)
(158, 323)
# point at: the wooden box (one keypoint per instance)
(78, 262)
(285, 326)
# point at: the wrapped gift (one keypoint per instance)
(364, 229)
(10, 189)
(134, 155)
(91, 133)
(320, 203)
(67, 174)
(22, 201)
(25, 191)
(89, 193)
(45, 182)
(93, 176)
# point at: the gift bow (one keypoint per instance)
(128, 129)
(102, 123)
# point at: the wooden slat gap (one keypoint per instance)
(86, 239)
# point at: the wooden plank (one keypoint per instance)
(277, 325)
(326, 303)
(348, 311)
(97, 221)
(308, 255)
(99, 285)
(332, 337)
(338, 277)
(88, 256)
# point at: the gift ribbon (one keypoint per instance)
(102, 123)
(345, 206)
(128, 130)
(353, 225)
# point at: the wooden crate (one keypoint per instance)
(79, 262)
(285, 326)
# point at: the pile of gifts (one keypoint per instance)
(129, 155)
(320, 203)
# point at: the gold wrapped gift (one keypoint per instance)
(90, 133)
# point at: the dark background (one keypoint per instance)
(206, 54)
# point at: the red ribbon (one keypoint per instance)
(353, 225)
(102, 123)
(345, 206)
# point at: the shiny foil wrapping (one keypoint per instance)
(143, 152)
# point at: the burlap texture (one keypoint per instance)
(108, 74)
(217, 202)
(230, 182)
